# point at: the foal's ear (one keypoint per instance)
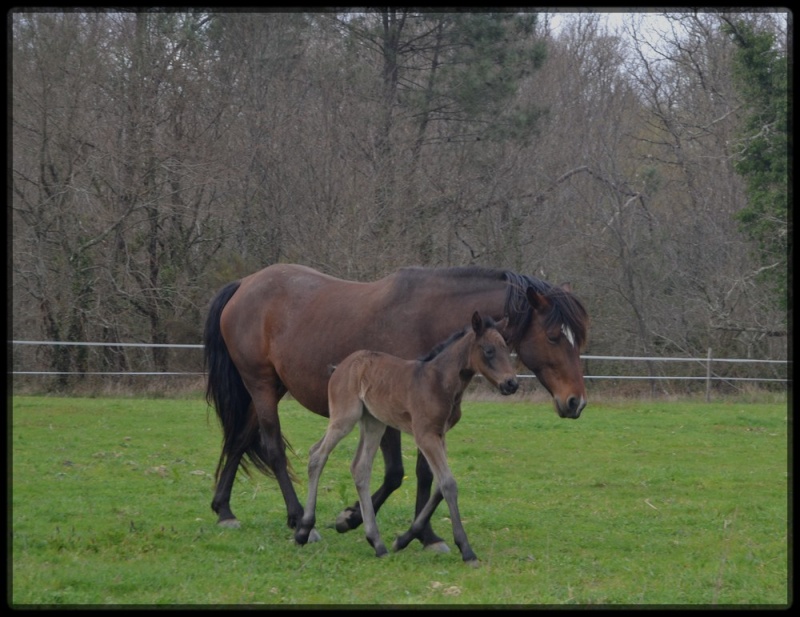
(477, 323)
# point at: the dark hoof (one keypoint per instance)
(303, 537)
(230, 523)
(347, 521)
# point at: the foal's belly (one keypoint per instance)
(396, 416)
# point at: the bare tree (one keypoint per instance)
(159, 154)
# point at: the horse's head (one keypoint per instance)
(549, 344)
(489, 354)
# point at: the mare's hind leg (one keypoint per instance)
(221, 503)
(265, 401)
(371, 432)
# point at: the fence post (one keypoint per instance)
(708, 377)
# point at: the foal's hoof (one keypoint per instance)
(438, 547)
(314, 536)
(473, 563)
(230, 523)
(347, 520)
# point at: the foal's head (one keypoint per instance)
(489, 354)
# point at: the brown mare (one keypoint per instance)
(278, 330)
(421, 397)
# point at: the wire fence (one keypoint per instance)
(105, 359)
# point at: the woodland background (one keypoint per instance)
(156, 155)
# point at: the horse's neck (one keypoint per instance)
(450, 294)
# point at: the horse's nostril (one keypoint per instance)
(575, 405)
(510, 386)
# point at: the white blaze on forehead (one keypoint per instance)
(568, 333)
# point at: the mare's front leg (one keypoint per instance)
(351, 517)
(429, 539)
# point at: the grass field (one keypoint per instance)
(636, 503)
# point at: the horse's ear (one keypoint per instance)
(502, 328)
(567, 286)
(477, 323)
(537, 300)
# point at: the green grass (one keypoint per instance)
(635, 503)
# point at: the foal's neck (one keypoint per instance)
(454, 362)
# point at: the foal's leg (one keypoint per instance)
(432, 446)
(350, 517)
(338, 426)
(371, 432)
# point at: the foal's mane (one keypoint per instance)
(565, 309)
(488, 322)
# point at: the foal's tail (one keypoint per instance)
(225, 390)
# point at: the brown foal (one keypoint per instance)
(421, 397)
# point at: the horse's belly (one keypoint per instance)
(394, 415)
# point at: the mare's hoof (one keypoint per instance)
(473, 563)
(230, 523)
(302, 539)
(345, 522)
(438, 547)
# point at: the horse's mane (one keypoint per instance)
(453, 272)
(488, 322)
(566, 308)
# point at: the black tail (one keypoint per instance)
(226, 392)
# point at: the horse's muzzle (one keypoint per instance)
(572, 409)
(509, 386)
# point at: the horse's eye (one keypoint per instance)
(489, 353)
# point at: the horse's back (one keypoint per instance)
(289, 323)
(381, 381)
